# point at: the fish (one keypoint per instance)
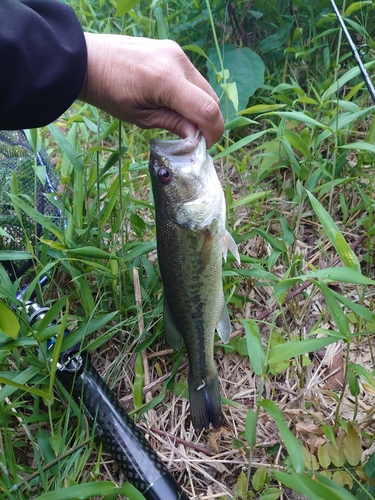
(191, 240)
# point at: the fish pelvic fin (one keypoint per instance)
(230, 244)
(223, 326)
(205, 403)
(172, 335)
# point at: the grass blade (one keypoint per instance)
(347, 255)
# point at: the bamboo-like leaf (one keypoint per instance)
(250, 427)
(301, 117)
(64, 144)
(346, 254)
(341, 274)
(92, 252)
(6, 255)
(338, 315)
(240, 144)
(315, 488)
(349, 75)
(8, 321)
(254, 346)
(86, 491)
(283, 352)
(37, 216)
(249, 199)
(292, 444)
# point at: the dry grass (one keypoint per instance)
(309, 391)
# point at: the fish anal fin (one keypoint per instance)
(230, 244)
(172, 335)
(223, 326)
(205, 403)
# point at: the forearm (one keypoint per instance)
(43, 59)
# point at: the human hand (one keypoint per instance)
(152, 84)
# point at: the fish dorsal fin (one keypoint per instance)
(229, 243)
(171, 333)
(223, 326)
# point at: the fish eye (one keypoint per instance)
(164, 175)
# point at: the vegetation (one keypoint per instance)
(296, 163)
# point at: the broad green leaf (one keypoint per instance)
(8, 321)
(246, 70)
(259, 478)
(324, 456)
(242, 485)
(292, 444)
(353, 382)
(370, 466)
(352, 445)
(282, 352)
(254, 346)
(270, 493)
(230, 89)
(346, 254)
(317, 488)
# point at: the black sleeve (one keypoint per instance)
(43, 61)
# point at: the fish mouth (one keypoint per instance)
(177, 147)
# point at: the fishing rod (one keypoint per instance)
(121, 437)
(357, 57)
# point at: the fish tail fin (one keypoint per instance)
(205, 403)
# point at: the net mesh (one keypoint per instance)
(17, 174)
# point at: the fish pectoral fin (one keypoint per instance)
(223, 326)
(171, 333)
(207, 248)
(229, 243)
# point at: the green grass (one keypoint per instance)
(297, 166)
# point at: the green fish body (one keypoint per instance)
(191, 240)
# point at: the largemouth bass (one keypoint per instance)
(191, 239)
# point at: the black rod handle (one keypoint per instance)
(121, 437)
